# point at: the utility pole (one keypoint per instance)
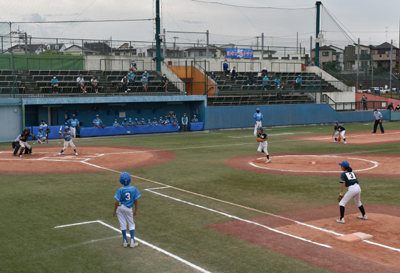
(391, 65)
(297, 42)
(358, 61)
(164, 42)
(175, 44)
(262, 46)
(207, 41)
(310, 50)
(318, 4)
(157, 37)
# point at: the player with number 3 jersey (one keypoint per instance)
(126, 197)
(349, 180)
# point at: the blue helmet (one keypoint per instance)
(260, 128)
(336, 122)
(125, 178)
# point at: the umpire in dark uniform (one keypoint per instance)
(378, 120)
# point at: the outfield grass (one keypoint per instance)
(32, 205)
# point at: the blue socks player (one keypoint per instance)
(126, 197)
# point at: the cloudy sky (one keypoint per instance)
(373, 22)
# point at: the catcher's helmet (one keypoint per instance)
(125, 178)
(260, 128)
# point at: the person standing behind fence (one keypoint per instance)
(132, 66)
(390, 107)
(81, 83)
(54, 84)
(364, 102)
(297, 83)
(164, 83)
(378, 120)
(185, 121)
(397, 108)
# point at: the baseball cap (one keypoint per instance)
(345, 164)
(260, 128)
(115, 119)
(73, 115)
(133, 60)
(65, 123)
(125, 119)
(375, 109)
(258, 109)
(40, 128)
(66, 128)
(97, 115)
(130, 119)
(142, 118)
(335, 121)
(194, 115)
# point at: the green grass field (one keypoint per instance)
(32, 205)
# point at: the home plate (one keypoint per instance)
(354, 237)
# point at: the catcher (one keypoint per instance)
(349, 179)
(338, 133)
(21, 142)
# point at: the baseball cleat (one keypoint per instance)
(20, 155)
(133, 243)
(14, 155)
(76, 153)
(340, 221)
(32, 154)
(268, 161)
(365, 217)
(125, 244)
(334, 141)
(59, 154)
(345, 142)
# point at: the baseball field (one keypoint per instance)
(209, 203)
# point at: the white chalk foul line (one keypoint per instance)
(142, 242)
(376, 164)
(239, 219)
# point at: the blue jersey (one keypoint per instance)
(73, 122)
(258, 116)
(67, 136)
(174, 121)
(265, 80)
(166, 121)
(339, 128)
(125, 123)
(136, 122)
(41, 134)
(299, 80)
(127, 196)
(349, 178)
(131, 76)
(97, 122)
(145, 74)
(116, 124)
(277, 81)
(155, 122)
(195, 120)
(54, 82)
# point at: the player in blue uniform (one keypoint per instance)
(97, 122)
(142, 122)
(194, 119)
(160, 121)
(130, 122)
(338, 130)
(125, 122)
(349, 180)
(116, 124)
(136, 123)
(258, 120)
(41, 136)
(155, 121)
(73, 123)
(149, 122)
(126, 197)
(166, 120)
(67, 141)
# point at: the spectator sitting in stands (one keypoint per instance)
(164, 83)
(144, 82)
(264, 71)
(250, 79)
(160, 121)
(174, 121)
(81, 83)
(95, 86)
(124, 82)
(265, 82)
(92, 79)
(143, 122)
(149, 122)
(145, 74)
(155, 121)
(136, 123)
(131, 79)
(278, 91)
(213, 76)
(166, 120)
(116, 124)
(390, 107)
(194, 119)
(225, 67)
(397, 108)
(54, 84)
(297, 83)
(132, 66)
(277, 81)
(233, 74)
(125, 122)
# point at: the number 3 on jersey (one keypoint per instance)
(351, 176)
(127, 196)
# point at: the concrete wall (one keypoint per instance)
(11, 119)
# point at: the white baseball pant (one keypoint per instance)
(24, 144)
(42, 139)
(125, 215)
(353, 191)
(73, 132)
(68, 142)
(341, 134)
(263, 146)
(256, 126)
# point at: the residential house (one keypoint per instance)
(381, 55)
(78, 50)
(339, 53)
(28, 49)
(326, 54)
(199, 52)
(124, 50)
(350, 57)
(100, 47)
(169, 53)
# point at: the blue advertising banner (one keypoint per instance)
(239, 53)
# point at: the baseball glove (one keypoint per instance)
(339, 138)
(340, 197)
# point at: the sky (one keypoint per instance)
(287, 24)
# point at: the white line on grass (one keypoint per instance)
(140, 241)
(239, 219)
